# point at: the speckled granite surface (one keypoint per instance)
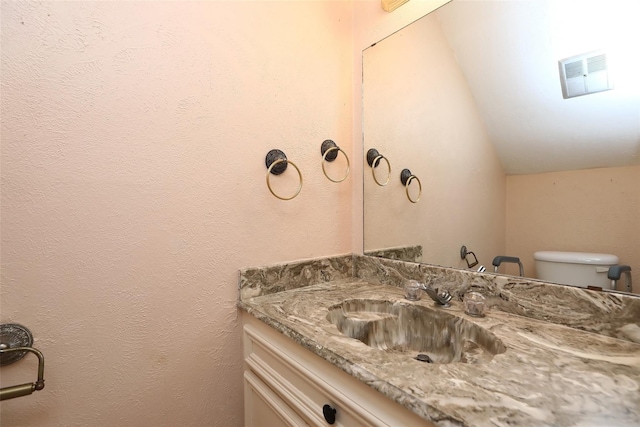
(257, 281)
(550, 374)
(404, 253)
(608, 313)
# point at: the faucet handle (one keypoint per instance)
(413, 290)
(474, 304)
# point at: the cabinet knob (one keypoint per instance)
(329, 414)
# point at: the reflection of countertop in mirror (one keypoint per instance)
(509, 167)
(549, 375)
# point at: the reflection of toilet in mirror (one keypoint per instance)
(575, 268)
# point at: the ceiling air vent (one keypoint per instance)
(584, 74)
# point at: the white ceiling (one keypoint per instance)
(509, 53)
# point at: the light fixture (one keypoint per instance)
(391, 5)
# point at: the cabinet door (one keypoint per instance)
(305, 383)
(263, 408)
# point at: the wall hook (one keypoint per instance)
(330, 151)
(406, 177)
(277, 162)
(373, 159)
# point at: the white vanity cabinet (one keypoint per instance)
(287, 385)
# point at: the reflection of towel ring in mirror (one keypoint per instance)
(330, 151)
(463, 255)
(373, 159)
(277, 163)
(406, 177)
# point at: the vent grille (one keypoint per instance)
(597, 63)
(585, 74)
(573, 69)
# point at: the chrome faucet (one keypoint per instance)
(413, 288)
(440, 298)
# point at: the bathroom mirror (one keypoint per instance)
(469, 99)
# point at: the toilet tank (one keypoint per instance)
(574, 268)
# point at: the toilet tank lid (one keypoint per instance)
(576, 257)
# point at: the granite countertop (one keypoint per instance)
(550, 374)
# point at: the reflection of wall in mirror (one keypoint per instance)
(420, 99)
(594, 210)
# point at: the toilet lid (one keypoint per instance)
(576, 257)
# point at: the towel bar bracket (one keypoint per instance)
(15, 343)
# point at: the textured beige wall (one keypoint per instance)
(133, 189)
(595, 210)
(372, 24)
(420, 114)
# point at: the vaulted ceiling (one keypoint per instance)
(509, 53)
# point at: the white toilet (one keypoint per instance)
(574, 268)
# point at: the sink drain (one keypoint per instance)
(424, 358)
